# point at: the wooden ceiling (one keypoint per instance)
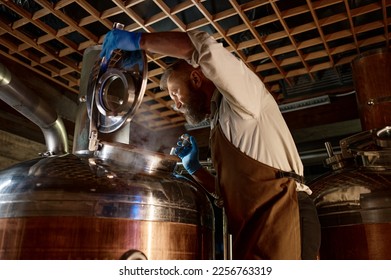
(287, 43)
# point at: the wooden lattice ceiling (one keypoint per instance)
(280, 40)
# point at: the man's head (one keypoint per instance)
(190, 90)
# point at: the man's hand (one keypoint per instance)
(120, 39)
(189, 155)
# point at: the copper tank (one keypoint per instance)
(372, 80)
(67, 207)
(107, 199)
(353, 200)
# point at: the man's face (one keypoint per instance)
(189, 101)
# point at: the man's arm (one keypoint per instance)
(175, 44)
(205, 179)
(187, 151)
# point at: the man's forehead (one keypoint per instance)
(173, 78)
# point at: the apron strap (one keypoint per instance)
(292, 175)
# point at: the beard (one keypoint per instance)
(195, 109)
(193, 116)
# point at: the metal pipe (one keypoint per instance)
(25, 101)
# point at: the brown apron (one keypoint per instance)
(262, 209)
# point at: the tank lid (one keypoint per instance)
(123, 156)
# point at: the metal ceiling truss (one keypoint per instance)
(278, 40)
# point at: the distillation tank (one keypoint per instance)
(107, 199)
(353, 200)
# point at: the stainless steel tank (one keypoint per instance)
(107, 199)
(353, 200)
(68, 207)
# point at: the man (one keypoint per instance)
(259, 171)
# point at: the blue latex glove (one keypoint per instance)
(120, 39)
(189, 155)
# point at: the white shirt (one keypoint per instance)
(248, 114)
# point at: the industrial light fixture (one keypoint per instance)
(303, 104)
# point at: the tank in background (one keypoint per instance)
(354, 199)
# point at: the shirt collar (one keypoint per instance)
(215, 102)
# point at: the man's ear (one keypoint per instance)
(196, 78)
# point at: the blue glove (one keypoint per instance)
(189, 155)
(120, 39)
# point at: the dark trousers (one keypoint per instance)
(309, 226)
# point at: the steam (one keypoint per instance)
(155, 141)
